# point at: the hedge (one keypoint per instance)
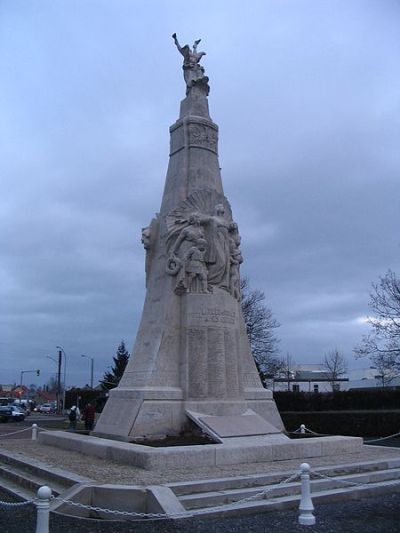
(357, 424)
(338, 401)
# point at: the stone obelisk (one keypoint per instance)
(191, 361)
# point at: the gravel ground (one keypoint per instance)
(370, 515)
(110, 472)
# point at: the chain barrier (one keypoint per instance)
(45, 429)
(383, 438)
(353, 483)
(16, 504)
(25, 429)
(84, 431)
(259, 495)
(302, 430)
(120, 513)
(15, 432)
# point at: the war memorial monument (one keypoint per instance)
(191, 368)
(191, 359)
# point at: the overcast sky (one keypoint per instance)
(306, 96)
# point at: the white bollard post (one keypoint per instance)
(34, 431)
(302, 428)
(306, 507)
(43, 509)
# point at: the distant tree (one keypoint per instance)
(387, 368)
(285, 368)
(51, 385)
(335, 365)
(382, 345)
(260, 327)
(112, 378)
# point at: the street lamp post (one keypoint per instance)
(91, 368)
(59, 382)
(65, 373)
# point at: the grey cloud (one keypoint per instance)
(306, 98)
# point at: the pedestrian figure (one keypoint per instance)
(88, 416)
(73, 415)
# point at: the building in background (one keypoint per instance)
(315, 378)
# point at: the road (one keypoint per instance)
(20, 430)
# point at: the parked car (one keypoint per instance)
(10, 413)
(48, 408)
(23, 405)
(5, 400)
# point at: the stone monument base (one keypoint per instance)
(236, 450)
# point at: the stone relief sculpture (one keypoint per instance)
(193, 72)
(149, 234)
(187, 239)
(195, 267)
(145, 240)
(218, 253)
(203, 245)
(236, 260)
(204, 136)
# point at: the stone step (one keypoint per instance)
(22, 476)
(27, 481)
(205, 494)
(16, 490)
(260, 480)
(293, 501)
(212, 498)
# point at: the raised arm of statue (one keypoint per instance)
(177, 43)
(191, 57)
(195, 46)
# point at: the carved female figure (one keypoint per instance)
(218, 257)
(236, 260)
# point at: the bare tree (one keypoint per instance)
(387, 368)
(335, 365)
(51, 385)
(260, 327)
(382, 345)
(286, 368)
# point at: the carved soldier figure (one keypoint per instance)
(187, 238)
(188, 235)
(195, 266)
